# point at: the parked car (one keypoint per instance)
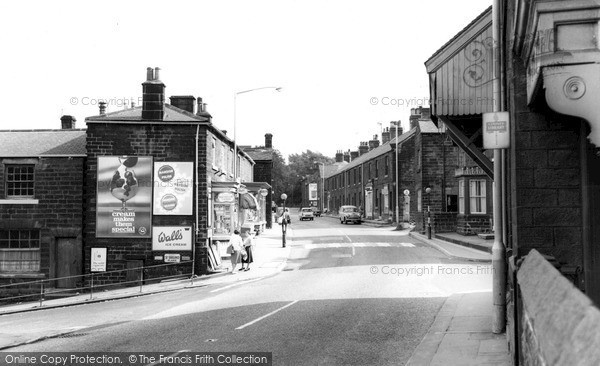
(306, 213)
(350, 214)
(316, 211)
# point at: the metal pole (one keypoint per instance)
(41, 292)
(428, 218)
(498, 249)
(141, 277)
(234, 137)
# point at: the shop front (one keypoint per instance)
(234, 206)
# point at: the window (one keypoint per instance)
(19, 180)
(214, 153)
(19, 250)
(386, 166)
(461, 196)
(477, 196)
(223, 162)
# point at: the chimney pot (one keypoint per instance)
(153, 98)
(102, 107)
(67, 122)
(149, 74)
(268, 141)
(156, 73)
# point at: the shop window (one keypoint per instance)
(19, 251)
(477, 196)
(19, 181)
(461, 196)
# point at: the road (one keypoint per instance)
(349, 295)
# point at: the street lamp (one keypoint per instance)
(283, 221)
(235, 123)
(428, 191)
(322, 185)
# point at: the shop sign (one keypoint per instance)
(173, 188)
(496, 130)
(171, 238)
(124, 197)
(172, 258)
(225, 197)
(98, 260)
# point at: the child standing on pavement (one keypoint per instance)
(248, 244)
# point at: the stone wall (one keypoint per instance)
(558, 323)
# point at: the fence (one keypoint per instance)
(39, 290)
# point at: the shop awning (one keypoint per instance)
(247, 200)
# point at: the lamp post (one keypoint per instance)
(397, 182)
(428, 191)
(235, 123)
(283, 221)
(322, 174)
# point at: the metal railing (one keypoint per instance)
(40, 290)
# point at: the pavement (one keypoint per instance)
(460, 334)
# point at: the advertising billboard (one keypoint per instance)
(173, 188)
(312, 191)
(171, 238)
(124, 197)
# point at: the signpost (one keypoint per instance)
(496, 131)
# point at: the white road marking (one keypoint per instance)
(267, 315)
(353, 245)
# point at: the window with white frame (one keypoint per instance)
(461, 196)
(19, 181)
(419, 200)
(19, 251)
(477, 196)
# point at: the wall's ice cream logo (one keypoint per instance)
(168, 202)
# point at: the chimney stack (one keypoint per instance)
(353, 155)
(393, 129)
(185, 102)
(202, 110)
(363, 148)
(67, 122)
(373, 143)
(102, 107)
(153, 96)
(385, 136)
(347, 156)
(339, 156)
(268, 141)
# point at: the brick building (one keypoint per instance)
(41, 200)
(263, 169)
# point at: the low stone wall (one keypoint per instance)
(558, 324)
(444, 222)
(473, 224)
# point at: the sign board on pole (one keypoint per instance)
(98, 260)
(496, 130)
(312, 191)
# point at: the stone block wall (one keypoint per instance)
(473, 224)
(558, 323)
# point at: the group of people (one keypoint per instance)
(241, 248)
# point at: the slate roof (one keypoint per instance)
(427, 126)
(378, 151)
(35, 143)
(259, 154)
(172, 114)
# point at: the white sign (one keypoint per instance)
(496, 131)
(173, 188)
(98, 260)
(171, 238)
(312, 191)
(172, 258)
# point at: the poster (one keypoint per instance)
(98, 260)
(173, 188)
(124, 197)
(176, 238)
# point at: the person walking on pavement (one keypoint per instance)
(248, 244)
(237, 245)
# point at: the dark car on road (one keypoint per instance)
(316, 211)
(350, 214)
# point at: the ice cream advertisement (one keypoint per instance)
(173, 188)
(124, 197)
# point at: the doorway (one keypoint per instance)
(68, 262)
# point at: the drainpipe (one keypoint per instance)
(498, 249)
(197, 213)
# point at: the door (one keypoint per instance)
(68, 262)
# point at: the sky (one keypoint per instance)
(346, 68)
